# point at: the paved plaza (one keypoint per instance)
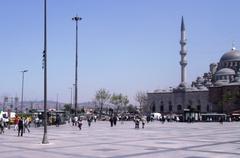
(174, 140)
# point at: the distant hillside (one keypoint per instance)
(54, 105)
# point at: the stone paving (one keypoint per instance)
(169, 140)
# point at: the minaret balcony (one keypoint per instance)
(183, 42)
(183, 52)
(183, 63)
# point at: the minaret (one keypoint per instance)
(183, 54)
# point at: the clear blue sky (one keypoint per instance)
(124, 45)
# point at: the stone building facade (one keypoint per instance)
(176, 101)
(183, 97)
(226, 98)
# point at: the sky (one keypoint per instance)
(125, 46)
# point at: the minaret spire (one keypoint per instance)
(182, 25)
(183, 53)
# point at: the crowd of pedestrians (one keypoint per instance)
(21, 125)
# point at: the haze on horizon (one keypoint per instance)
(124, 46)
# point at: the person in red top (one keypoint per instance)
(16, 123)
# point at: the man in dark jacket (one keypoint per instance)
(20, 126)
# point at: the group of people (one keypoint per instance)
(76, 121)
(20, 124)
(113, 120)
(138, 119)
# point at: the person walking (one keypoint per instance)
(111, 121)
(1, 126)
(26, 124)
(80, 123)
(89, 120)
(58, 120)
(16, 123)
(20, 126)
(143, 121)
(115, 120)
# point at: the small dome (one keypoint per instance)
(225, 71)
(233, 55)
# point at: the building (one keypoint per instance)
(216, 91)
(183, 98)
(225, 93)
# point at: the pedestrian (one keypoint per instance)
(115, 120)
(143, 121)
(221, 120)
(137, 121)
(20, 126)
(26, 124)
(58, 120)
(89, 120)
(80, 123)
(95, 118)
(148, 118)
(111, 121)
(1, 126)
(16, 123)
(75, 120)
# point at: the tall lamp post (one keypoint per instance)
(71, 96)
(22, 88)
(45, 139)
(76, 18)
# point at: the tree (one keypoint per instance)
(102, 96)
(67, 107)
(116, 100)
(124, 101)
(141, 98)
(131, 108)
(119, 100)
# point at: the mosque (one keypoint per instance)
(209, 93)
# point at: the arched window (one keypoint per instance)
(153, 107)
(162, 108)
(179, 107)
(208, 108)
(170, 108)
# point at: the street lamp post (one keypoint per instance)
(22, 88)
(45, 139)
(71, 96)
(76, 18)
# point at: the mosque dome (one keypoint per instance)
(225, 71)
(232, 55)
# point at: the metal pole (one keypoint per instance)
(57, 104)
(22, 88)
(71, 96)
(22, 91)
(73, 99)
(45, 139)
(76, 63)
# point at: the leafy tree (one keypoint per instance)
(131, 108)
(67, 107)
(141, 98)
(124, 101)
(102, 96)
(116, 100)
(119, 100)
